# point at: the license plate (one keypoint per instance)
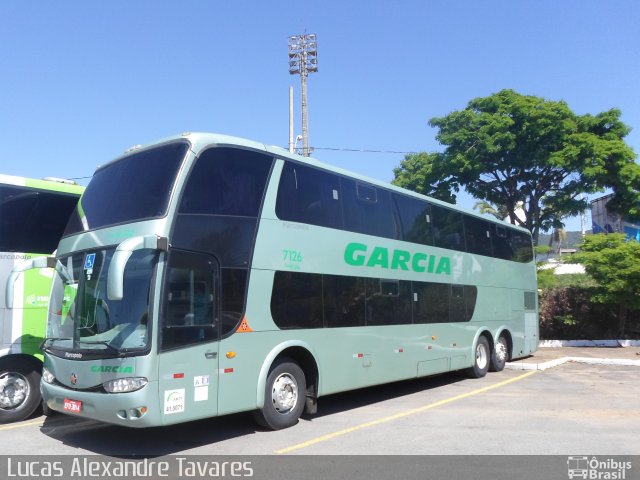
(72, 405)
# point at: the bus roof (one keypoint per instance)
(46, 184)
(199, 140)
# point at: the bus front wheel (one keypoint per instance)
(19, 389)
(481, 360)
(284, 396)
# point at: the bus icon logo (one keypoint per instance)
(578, 467)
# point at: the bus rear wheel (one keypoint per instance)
(19, 390)
(284, 396)
(500, 355)
(481, 360)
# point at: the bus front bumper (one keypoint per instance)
(137, 409)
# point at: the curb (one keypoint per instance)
(560, 361)
(588, 343)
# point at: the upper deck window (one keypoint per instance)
(136, 187)
(309, 195)
(227, 181)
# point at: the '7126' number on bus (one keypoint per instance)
(292, 256)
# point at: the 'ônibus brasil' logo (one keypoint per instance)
(360, 255)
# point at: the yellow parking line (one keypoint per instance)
(20, 425)
(406, 413)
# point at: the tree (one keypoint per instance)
(524, 152)
(614, 263)
(416, 172)
(486, 208)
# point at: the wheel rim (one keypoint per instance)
(14, 390)
(501, 350)
(482, 356)
(284, 394)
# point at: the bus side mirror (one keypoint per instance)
(38, 262)
(115, 281)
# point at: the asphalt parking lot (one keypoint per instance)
(572, 408)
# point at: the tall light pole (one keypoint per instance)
(303, 60)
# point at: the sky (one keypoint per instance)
(82, 81)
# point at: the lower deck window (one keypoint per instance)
(311, 300)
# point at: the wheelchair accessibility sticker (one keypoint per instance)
(89, 261)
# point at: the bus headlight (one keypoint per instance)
(47, 376)
(123, 385)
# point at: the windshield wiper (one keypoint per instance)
(105, 343)
(43, 345)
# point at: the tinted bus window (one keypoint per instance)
(502, 243)
(478, 236)
(227, 181)
(233, 291)
(136, 187)
(189, 312)
(309, 195)
(33, 220)
(367, 209)
(310, 300)
(296, 301)
(448, 228)
(521, 246)
(388, 302)
(344, 301)
(415, 219)
(431, 302)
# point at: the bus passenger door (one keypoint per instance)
(188, 338)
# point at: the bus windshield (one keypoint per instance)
(81, 317)
(144, 182)
(33, 220)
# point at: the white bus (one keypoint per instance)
(33, 215)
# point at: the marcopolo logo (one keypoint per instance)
(360, 255)
(596, 469)
(111, 369)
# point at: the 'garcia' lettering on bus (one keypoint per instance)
(358, 255)
(111, 369)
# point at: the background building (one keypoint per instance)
(604, 221)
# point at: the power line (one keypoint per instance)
(362, 150)
(331, 149)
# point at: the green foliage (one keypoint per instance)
(579, 280)
(547, 278)
(541, 250)
(568, 313)
(614, 263)
(416, 172)
(486, 208)
(530, 157)
(567, 320)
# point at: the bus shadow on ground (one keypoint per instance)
(120, 442)
(363, 397)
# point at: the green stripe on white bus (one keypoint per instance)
(33, 216)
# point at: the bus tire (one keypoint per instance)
(19, 389)
(284, 396)
(481, 358)
(500, 355)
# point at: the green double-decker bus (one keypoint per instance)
(204, 275)
(33, 215)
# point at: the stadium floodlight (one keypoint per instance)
(303, 60)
